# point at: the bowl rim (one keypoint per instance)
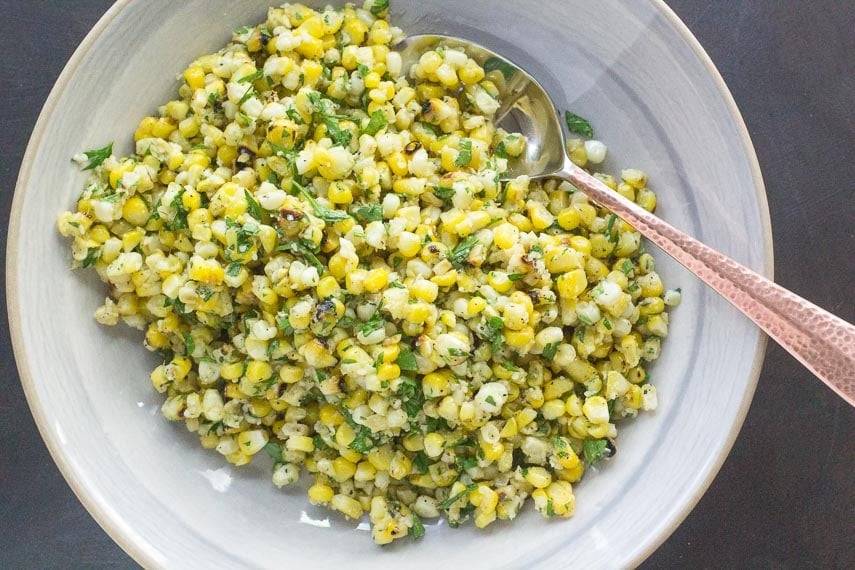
(112, 523)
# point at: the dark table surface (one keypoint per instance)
(784, 496)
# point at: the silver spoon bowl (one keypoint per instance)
(821, 341)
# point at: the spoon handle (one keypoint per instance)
(823, 342)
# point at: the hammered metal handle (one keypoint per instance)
(823, 342)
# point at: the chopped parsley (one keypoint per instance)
(233, 269)
(490, 400)
(578, 125)
(454, 498)
(377, 123)
(369, 213)
(412, 395)
(495, 63)
(418, 529)
(379, 7)
(407, 360)
(321, 211)
(594, 450)
(461, 251)
(302, 250)
(98, 156)
(252, 206)
(252, 77)
(420, 462)
(93, 254)
(464, 157)
(274, 450)
(189, 344)
(549, 350)
(444, 193)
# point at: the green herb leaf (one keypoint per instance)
(444, 192)
(362, 69)
(501, 152)
(302, 250)
(370, 213)
(252, 206)
(407, 361)
(233, 269)
(465, 463)
(454, 498)
(418, 529)
(490, 400)
(549, 350)
(461, 251)
(550, 510)
(376, 124)
(379, 7)
(98, 156)
(495, 63)
(515, 276)
(410, 392)
(611, 234)
(594, 450)
(464, 157)
(578, 125)
(420, 462)
(272, 347)
(321, 211)
(274, 450)
(189, 344)
(259, 73)
(93, 254)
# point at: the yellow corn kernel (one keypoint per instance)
(256, 371)
(435, 384)
(569, 218)
(144, 129)
(388, 371)
(475, 306)
(417, 313)
(135, 211)
(538, 477)
(434, 444)
(291, 374)
(506, 236)
(320, 494)
(376, 279)
(499, 281)
(520, 338)
(424, 290)
(492, 451)
(342, 469)
(446, 279)
(572, 284)
(195, 77)
(348, 506)
(252, 441)
(400, 466)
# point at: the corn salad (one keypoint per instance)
(321, 245)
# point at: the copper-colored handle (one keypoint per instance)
(823, 342)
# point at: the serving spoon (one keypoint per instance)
(821, 341)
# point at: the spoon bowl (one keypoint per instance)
(823, 342)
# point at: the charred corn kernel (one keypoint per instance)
(320, 494)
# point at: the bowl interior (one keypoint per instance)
(630, 68)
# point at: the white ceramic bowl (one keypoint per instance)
(651, 93)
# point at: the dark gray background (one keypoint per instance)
(784, 497)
